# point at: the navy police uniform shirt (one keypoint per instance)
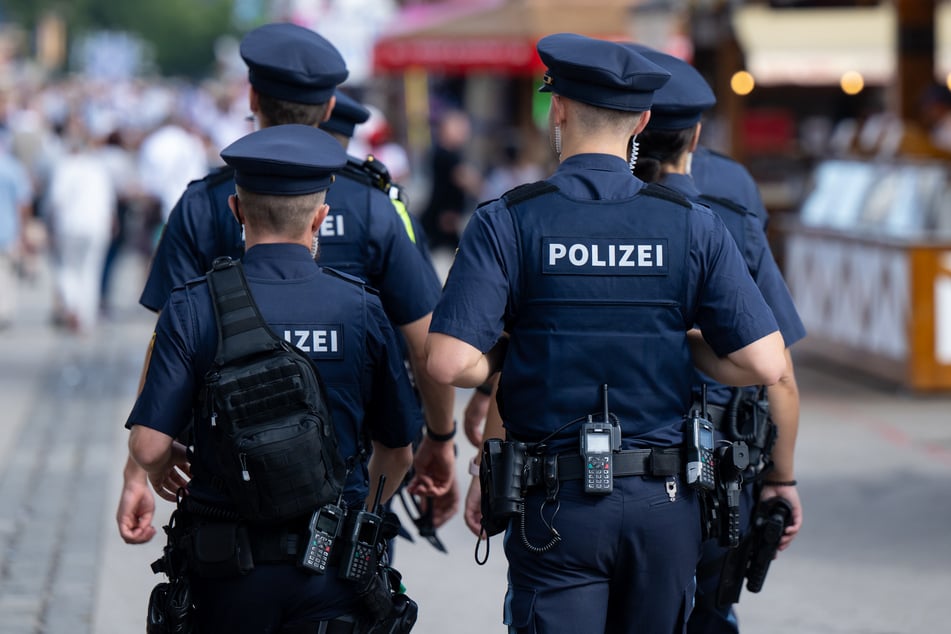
(597, 283)
(747, 232)
(362, 235)
(717, 175)
(337, 323)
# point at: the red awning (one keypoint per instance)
(496, 35)
(456, 56)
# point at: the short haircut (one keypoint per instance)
(283, 215)
(280, 112)
(594, 118)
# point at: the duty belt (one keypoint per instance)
(715, 414)
(632, 462)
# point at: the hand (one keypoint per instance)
(476, 410)
(435, 468)
(174, 477)
(791, 495)
(444, 506)
(473, 510)
(136, 509)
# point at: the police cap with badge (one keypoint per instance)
(680, 103)
(285, 160)
(346, 115)
(292, 63)
(598, 72)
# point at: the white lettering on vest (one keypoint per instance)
(598, 256)
(332, 226)
(314, 340)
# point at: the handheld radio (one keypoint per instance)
(360, 559)
(700, 445)
(599, 440)
(325, 526)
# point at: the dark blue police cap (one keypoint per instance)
(292, 63)
(345, 116)
(598, 72)
(680, 102)
(285, 160)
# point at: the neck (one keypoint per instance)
(254, 238)
(677, 167)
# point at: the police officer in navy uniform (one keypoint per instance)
(719, 175)
(591, 279)
(282, 174)
(294, 73)
(347, 114)
(665, 145)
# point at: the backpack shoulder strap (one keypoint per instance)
(241, 329)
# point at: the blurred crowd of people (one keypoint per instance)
(90, 168)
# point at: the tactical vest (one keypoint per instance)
(602, 298)
(345, 233)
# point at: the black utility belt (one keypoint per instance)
(632, 462)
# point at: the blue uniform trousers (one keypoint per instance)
(625, 563)
(269, 598)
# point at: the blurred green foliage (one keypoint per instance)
(182, 32)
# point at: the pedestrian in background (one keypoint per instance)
(16, 197)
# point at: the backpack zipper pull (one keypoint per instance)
(214, 419)
(245, 475)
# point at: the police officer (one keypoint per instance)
(665, 145)
(294, 73)
(347, 114)
(591, 279)
(716, 174)
(282, 174)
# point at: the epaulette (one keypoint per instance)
(666, 193)
(220, 175)
(527, 191)
(353, 279)
(354, 170)
(726, 203)
(371, 171)
(720, 154)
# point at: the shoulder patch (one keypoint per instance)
(726, 203)
(352, 279)
(665, 193)
(528, 191)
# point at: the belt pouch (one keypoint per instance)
(219, 550)
(501, 481)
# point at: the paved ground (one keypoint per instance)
(874, 466)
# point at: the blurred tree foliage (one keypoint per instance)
(183, 32)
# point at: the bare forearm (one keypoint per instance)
(438, 399)
(391, 463)
(784, 410)
(133, 471)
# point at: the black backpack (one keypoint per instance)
(271, 427)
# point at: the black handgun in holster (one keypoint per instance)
(752, 558)
(501, 478)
